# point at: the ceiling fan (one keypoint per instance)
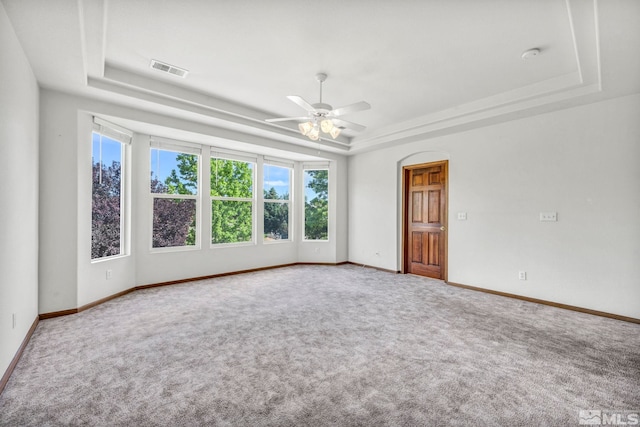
(323, 117)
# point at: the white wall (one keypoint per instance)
(58, 206)
(581, 162)
(18, 194)
(69, 278)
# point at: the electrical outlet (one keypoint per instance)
(522, 275)
(548, 216)
(462, 216)
(109, 274)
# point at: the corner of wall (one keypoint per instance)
(19, 229)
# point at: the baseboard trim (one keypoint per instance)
(371, 266)
(232, 273)
(5, 378)
(105, 299)
(211, 276)
(174, 282)
(322, 263)
(549, 303)
(84, 307)
(53, 314)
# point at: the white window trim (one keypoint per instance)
(118, 134)
(174, 196)
(217, 153)
(233, 199)
(112, 130)
(108, 258)
(166, 144)
(278, 162)
(314, 167)
(282, 164)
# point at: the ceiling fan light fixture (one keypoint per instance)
(326, 125)
(314, 133)
(321, 115)
(305, 128)
(334, 132)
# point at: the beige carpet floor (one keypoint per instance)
(322, 346)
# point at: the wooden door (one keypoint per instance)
(425, 219)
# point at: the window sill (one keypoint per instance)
(108, 258)
(276, 242)
(231, 245)
(174, 249)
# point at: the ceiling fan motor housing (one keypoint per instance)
(322, 108)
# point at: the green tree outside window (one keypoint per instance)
(316, 204)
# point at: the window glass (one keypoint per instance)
(316, 204)
(277, 182)
(276, 221)
(231, 201)
(107, 197)
(231, 178)
(276, 193)
(174, 186)
(231, 221)
(173, 172)
(174, 222)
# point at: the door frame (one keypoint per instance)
(405, 214)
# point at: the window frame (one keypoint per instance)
(243, 158)
(179, 147)
(290, 219)
(316, 166)
(123, 136)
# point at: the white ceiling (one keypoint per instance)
(426, 67)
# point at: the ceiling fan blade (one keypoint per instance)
(350, 125)
(285, 119)
(358, 106)
(301, 102)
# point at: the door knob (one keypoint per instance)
(442, 228)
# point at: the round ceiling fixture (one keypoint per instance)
(528, 54)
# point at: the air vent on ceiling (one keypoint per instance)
(167, 68)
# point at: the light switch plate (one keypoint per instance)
(462, 215)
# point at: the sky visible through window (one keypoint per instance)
(276, 177)
(309, 194)
(164, 161)
(108, 153)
